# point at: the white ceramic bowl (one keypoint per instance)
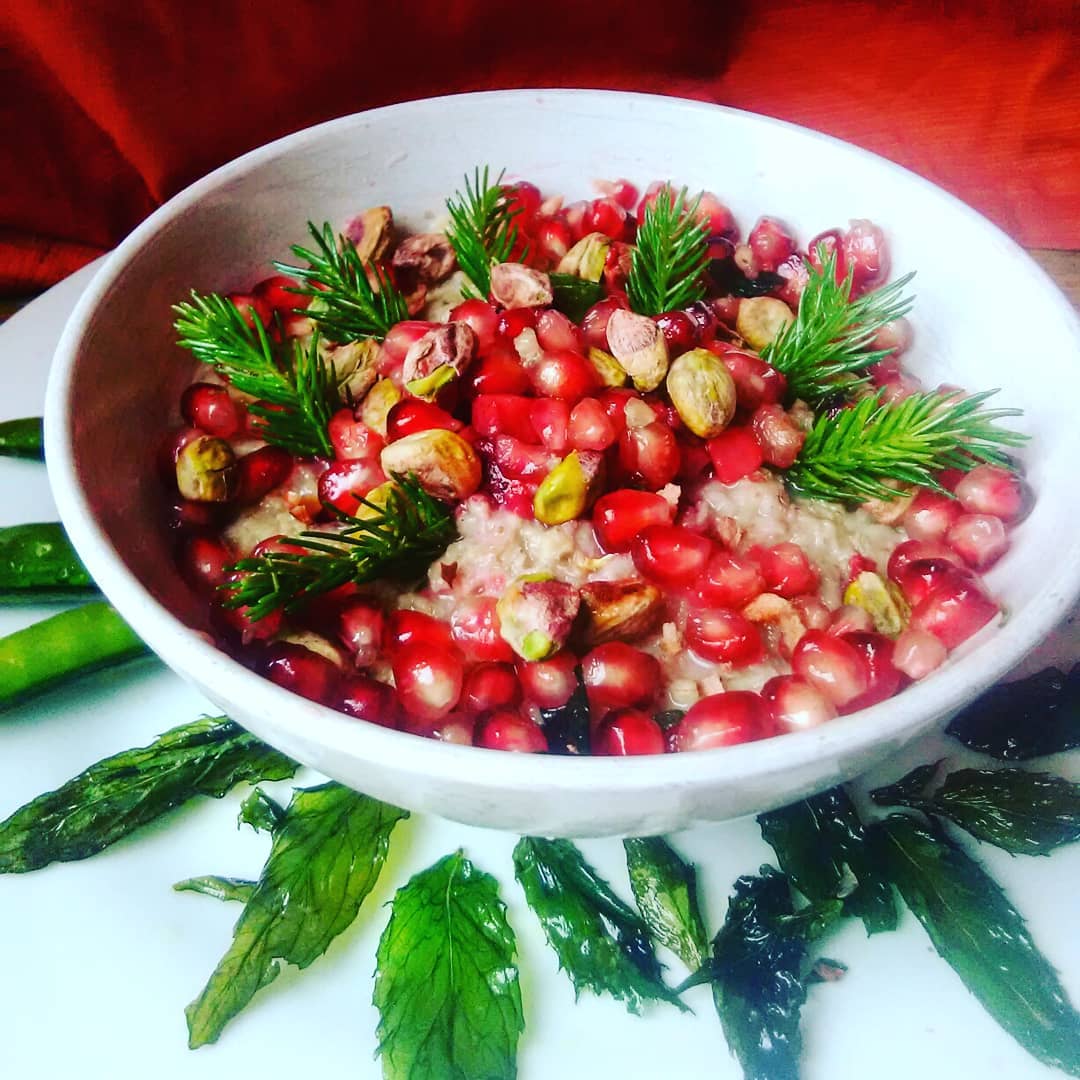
(986, 316)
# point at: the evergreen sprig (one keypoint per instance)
(827, 346)
(295, 386)
(347, 305)
(399, 540)
(670, 255)
(481, 230)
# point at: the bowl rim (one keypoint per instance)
(999, 647)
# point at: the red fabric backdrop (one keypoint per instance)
(108, 108)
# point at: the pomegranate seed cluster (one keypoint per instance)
(616, 482)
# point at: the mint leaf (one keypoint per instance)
(446, 982)
(573, 296)
(326, 857)
(120, 794)
(601, 943)
(220, 888)
(261, 812)
(665, 888)
(982, 937)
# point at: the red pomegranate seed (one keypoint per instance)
(825, 244)
(894, 336)
(730, 581)
(210, 409)
(650, 455)
(553, 240)
(885, 678)
(406, 627)
(589, 427)
(735, 453)
(866, 252)
(671, 554)
(500, 372)
(920, 577)
(910, 551)
(628, 731)
(362, 628)
(514, 320)
(368, 699)
(787, 570)
(954, 610)
(259, 472)
(832, 665)
(550, 420)
(280, 292)
(456, 728)
(813, 612)
(508, 492)
(606, 216)
(796, 705)
(918, 652)
(620, 515)
(481, 317)
(574, 216)
(779, 436)
(428, 680)
(556, 333)
(411, 415)
(618, 676)
(504, 414)
(345, 483)
(594, 324)
(352, 439)
(564, 374)
(930, 515)
(724, 636)
(203, 562)
(303, 672)
(795, 276)
(474, 627)
(397, 342)
(679, 330)
(756, 382)
(548, 683)
(721, 720)
(507, 730)
(240, 621)
(771, 243)
(988, 489)
(251, 307)
(979, 539)
(186, 514)
(490, 686)
(718, 219)
(516, 459)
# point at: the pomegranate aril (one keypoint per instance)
(481, 317)
(456, 728)
(594, 324)
(589, 427)
(617, 676)
(505, 414)
(832, 665)
(211, 409)
(550, 420)
(620, 515)
(280, 292)
(428, 679)
(671, 554)
(979, 539)
(352, 439)
(400, 337)
(556, 332)
(771, 243)
(362, 628)
(259, 472)
(918, 652)
(849, 619)
(411, 415)
(795, 704)
(679, 330)
(474, 627)
(345, 483)
(813, 612)
(517, 460)
(735, 453)
(885, 678)
(756, 382)
(239, 620)
(564, 374)
(824, 244)
(920, 577)
(779, 437)
(894, 336)
(553, 240)
(910, 551)
(730, 581)
(930, 515)
(866, 252)
(500, 372)
(490, 686)
(303, 672)
(514, 320)
(650, 454)
(724, 636)
(203, 562)
(251, 307)
(737, 716)
(787, 569)
(624, 732)
(988, 489)
(548, 683)
(405, 627)
(953, 611)
(507, 730)
(368, 699)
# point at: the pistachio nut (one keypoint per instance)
(444, 464)
(370, 232)
(355, 366)
(433, 360)
(378, 402)
(586, 259)
(536, 614)
(206, 470)
(638, 344)
(515, 285)
(881, 599)
(375, 500)
(607, 367)
(703, 392)
(761, 318)
(618, 611)
(426, 258)
(568, 490)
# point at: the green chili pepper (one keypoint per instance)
(38, 561)
(22, 438)
(59, 649)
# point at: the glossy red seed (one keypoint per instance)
(824, 244)
(481, 317)
(734, 453)
(550, 420)
(730, 581)
(517, 460)
(771, 243)
(920, 577)
(513, 321)
(352, 439)
(779, 437)
(832, 665)
(671, 555)
(553, 240)
(794, 704)
(930, 515)
(813, 612)
(737, 716)
(411, 415)
(406, 627)
(428, 679)
(252, 307)
(979, 539)
(499, 372)
(589, 426)
(564, 374)
(885, 678)
(508, 730)
(954, 610)
(909, 551)
(259, 472)
(368, 699)
(724, 636)
(617, 676)
(210, 409)
(594, 324)
(620, 515)
(866, 253)
(626, 732)
(988, 489)
(345, 483)
(505, 414)
(548, 683)
(474, 627)
(362, 629)
(756, 382)
(650, 455)
(397, 342)
(918, 652)
(303, 672)
(556, 333)
(240, 621)
(606, 216)
(679, 330)
(490, 686)
(787, 569)
(203, 562)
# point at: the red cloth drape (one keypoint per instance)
(108, 108)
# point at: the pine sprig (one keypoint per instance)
(347, 306)
(850, 457)
(400, 540)
(670, 255)
(295, 386)
(828, 345)
(481, 230)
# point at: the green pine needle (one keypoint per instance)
(823, 351)
(346, 305)
(481, 230)
(851, 457)
(295, 386)
(667, 269)
(399, 541)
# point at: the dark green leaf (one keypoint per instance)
(909, 790)
(1024, 719)
(220, 888)
(37, 560)
(574, 296)
(820, 844)
(665, 888)
(1025, 813)
(601, 943)
(325, 859)
(446, 984)
(982, 936)
(118, 795)
(567, 726)
(22, 438)
(261, 812)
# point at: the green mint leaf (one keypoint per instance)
(574, 295)
(1025, 813)
(983, 938)
(665, 888)
(120, 794)
(601, 943)
(1023, 719)
(446, 982)
(326, 857)
(821, 845)
(220, 888)
(261, 812)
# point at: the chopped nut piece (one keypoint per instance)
(770, 608)
(206, 470)
(761, 318)
(890, 511)
(444, 464)
(355, 366)
(618, 611)
(425, 258)
(881, 599)
(378, 497)
(380, 399)
(637, 413)
(536, 614)
(639, 346)
(607, 367)
(527, 346)
(515, 285)
(586, 259)
(703, 392)
(371, 232)
(439, 356)
(569, 489)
